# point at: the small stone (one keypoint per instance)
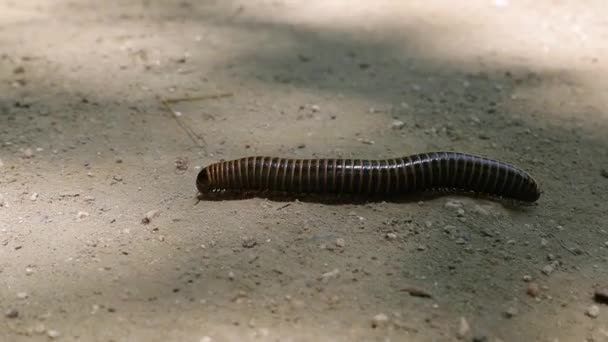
(22, 295)
(511, 312)
(325, 277)
(231, 275)
(53, 334)
(480, 210)
(460, 212)
(544, 242)
(421, 248)
(397, 124)
(117, 178)
(453, 204)
(600, 295)
(249, 242)
(527, 278)
(460, 241)
(463, 329)
(11, 313)
(593, 311)
(81, 214)
(34, 196)
(533, 290)
(149, 216)
(300, 146)
(391, 236)
(28, 153)
(380, 320)
(315, 108)
(29, 271)
(340, 242)
(548, 269)
(367, 141)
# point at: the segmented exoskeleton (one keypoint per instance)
(420, 172)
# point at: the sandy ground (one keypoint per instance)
(87, 149)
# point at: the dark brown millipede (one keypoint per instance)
(420, 172)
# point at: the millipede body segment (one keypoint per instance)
(420, 172)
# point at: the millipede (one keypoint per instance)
(452, 171)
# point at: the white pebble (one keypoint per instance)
(453, 204)
(150, 215)
(82, 214)
(397, 124)
(340, 242)
(380, 320)
(315, 108)
(464, 328)
(29, 271)
(330, 275)
(28, 153)
(231, 275)
(391, 236)
(34, 196)
(593, 311)
(22, 295)
(53, 333)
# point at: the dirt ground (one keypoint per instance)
(87, 150)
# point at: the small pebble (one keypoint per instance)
(29, 271)
(231, 275)
(453, 204)
(28, 153)
(600, 295)
(397, 124)
(340, 242)
(548, 269)
(533, 290)
(81, 214)
(391, 236)
(22, 295)
(593, 311)
(460, 212)
(380, 320)
(11, 313)
(511, 312)
(325, 277)
(206, 339)
(315, 108)
(34, 196)
(150, 215)
(527, 278)
(53, 334)
(480, 210)
(544, 242)
(463, 329)
(249, 242)
(421, 248)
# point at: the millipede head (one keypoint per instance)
(203, 183)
